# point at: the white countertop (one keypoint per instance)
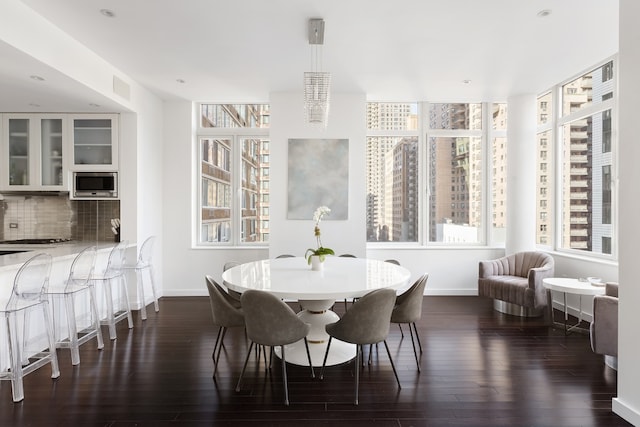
(56, 250)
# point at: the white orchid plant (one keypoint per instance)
(321, 251)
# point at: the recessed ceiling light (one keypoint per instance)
(466, 81)
(108, 13)
(544, 13)
(33, 104)
(36, 77)
(94, 105)
(180, 81)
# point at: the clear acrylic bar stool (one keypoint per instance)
(77, 285)
(145, 263)
(27, 296)
(114, 281)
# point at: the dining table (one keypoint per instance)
(292, 279)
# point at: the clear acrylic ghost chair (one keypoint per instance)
(76, 286)
(27, 295)
(145, 263)
(113, 280)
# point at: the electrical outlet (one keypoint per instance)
(13, 225)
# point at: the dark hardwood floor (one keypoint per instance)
(479, 368)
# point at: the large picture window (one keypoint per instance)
(392, 172)
(583, 133)
(430, 186)
(234, 174)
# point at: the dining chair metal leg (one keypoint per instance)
(244, 367)
(401, 333)
(223, 332)
(392, 365)
(284, 377)
(215, 346)
(324, 361)
(357, 369)
(413, 345)
(417, 336)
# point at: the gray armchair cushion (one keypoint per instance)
(516, 278)
(604, 327)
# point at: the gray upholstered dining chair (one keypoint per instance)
(225, 315)
(271, 322)
(408, 309)
(366, 322)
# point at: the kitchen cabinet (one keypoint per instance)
(33, 152)
(94, 142)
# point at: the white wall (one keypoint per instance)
(346, 120)
(627, 404)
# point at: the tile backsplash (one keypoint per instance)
(54, 215)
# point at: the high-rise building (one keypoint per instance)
(586, 189)
(385, 117)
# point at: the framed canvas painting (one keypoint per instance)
(318, 175)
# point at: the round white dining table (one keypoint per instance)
(317, 292)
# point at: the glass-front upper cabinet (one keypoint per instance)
(20, 154)
(51, 149)
(94, 142)
(34, 152)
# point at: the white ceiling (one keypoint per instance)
(241, 50)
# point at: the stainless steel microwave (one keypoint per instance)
(95, 185)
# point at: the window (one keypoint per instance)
(451, 155)
(587, 89)
(233, 164)
(606, 131)
(606, 195)
(586, 142)
(392, 172)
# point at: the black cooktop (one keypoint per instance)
(38, 241)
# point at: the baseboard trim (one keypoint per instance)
(625, 411)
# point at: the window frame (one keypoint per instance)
(236, 135)
(487, 134)
(555, 128)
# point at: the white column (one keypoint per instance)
(627, 404)
(521, 174)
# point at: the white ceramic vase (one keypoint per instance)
(316, 263)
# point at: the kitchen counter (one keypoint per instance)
(59, 251)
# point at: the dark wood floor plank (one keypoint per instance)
(479, 368)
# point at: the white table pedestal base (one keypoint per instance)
(318, 314)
